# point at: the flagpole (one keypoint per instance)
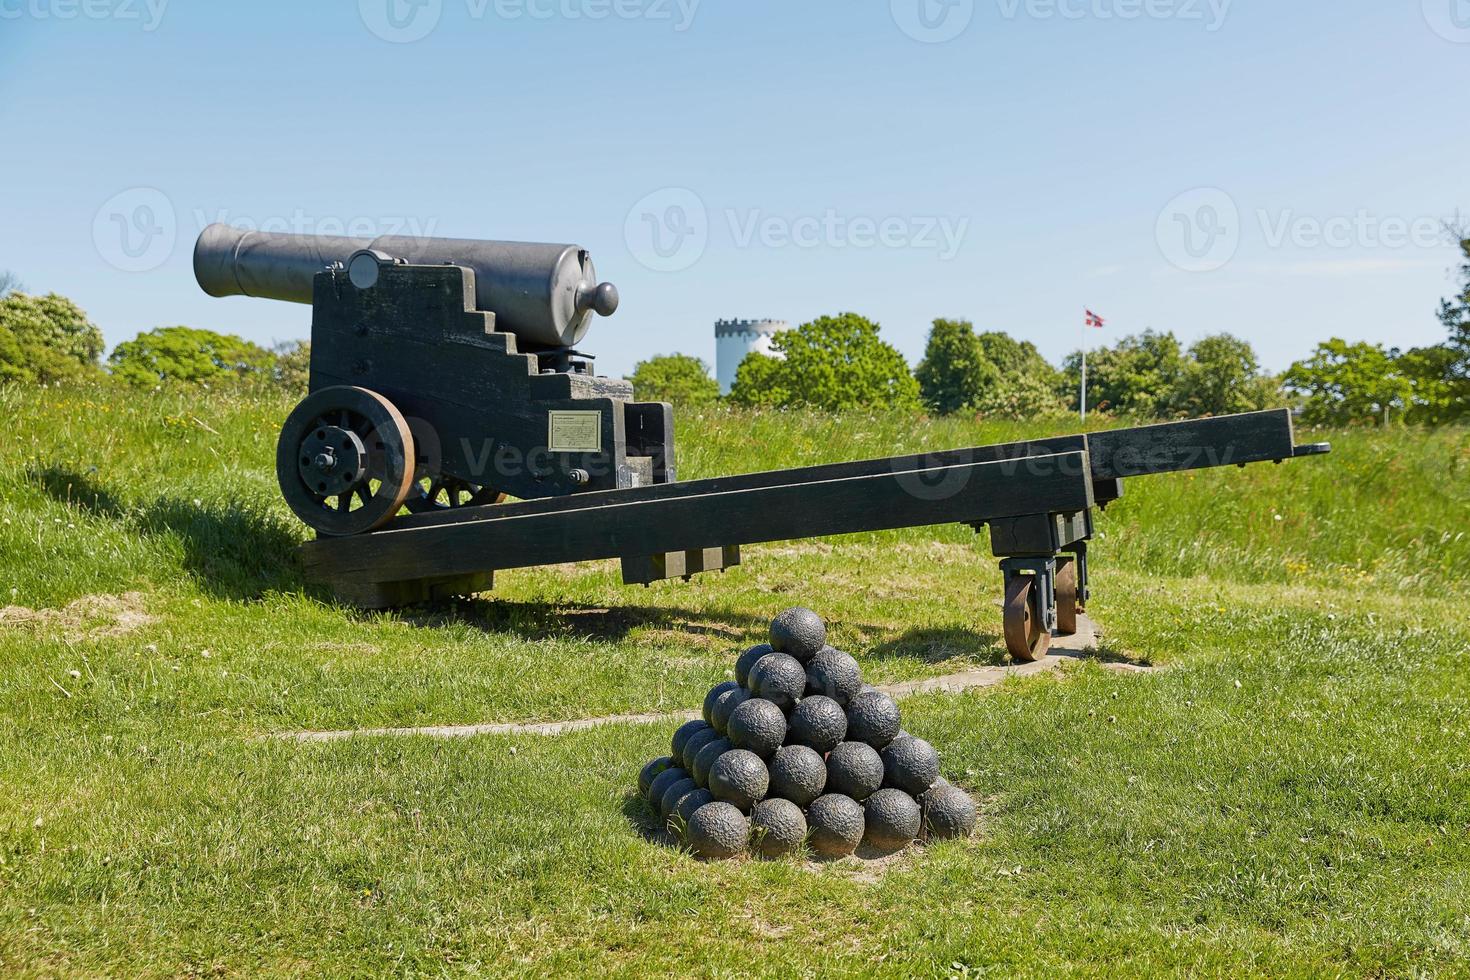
(1084, 368)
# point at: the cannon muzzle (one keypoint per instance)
(544, 294)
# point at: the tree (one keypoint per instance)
(1221, 377)
(676, 378)
(293, 365)
(1027, 395)
(760, 382)
(1349, 383)
(1028, 382)
(1430, 373)
(46, 339)
(10, 283)
(189, 354)
(955, 371)
(1455, 315)
(836, 363)
(1137, 377)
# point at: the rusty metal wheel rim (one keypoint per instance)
(1067, 606)
(343, 461)
(1025, 639)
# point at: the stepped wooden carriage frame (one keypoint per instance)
(434, 399)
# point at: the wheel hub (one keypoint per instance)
(332, 460)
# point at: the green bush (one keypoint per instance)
(46, 339)
(191, 355)
(835, 363)
(759, 382)
(1221, 376)
(990, 373)
(955, 372)
(1139, 376)
(675, 378)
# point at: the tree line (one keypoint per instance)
(50, 340)
(841, 362)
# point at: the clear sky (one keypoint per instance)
(1274, 168)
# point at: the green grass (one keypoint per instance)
(1290, 797)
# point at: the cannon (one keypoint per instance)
(435, 362)
(445, 381)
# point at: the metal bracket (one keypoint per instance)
(1045, 572)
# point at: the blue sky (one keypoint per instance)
(1274, 169)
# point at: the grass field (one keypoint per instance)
(1291, 796)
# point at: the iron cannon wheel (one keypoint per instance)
(1067, 605)
(431, 494)
(1025, 638)
(343, 461)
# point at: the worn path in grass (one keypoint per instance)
(1064, 650)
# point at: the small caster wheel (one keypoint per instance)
(1067, 604)
(1026, 639)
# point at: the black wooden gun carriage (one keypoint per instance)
(444, 380)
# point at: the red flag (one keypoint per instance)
(1093, 320)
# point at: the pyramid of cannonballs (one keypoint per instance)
(797, 750)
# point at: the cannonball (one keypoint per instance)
(777, 827)
(799, 632)
(892, 819)
(836, 825)
(717, 830)
(758, 725)
(780, 679)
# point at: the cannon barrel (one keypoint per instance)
(545, 294)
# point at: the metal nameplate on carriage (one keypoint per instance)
(575, 432)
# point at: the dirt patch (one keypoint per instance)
(93, 617)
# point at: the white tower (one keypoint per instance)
(734, 339)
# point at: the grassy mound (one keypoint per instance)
(1290, 797)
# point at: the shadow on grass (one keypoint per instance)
(1109, 655)
(643, 818)
(942, 644)
(545, 621)
(235, 552)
